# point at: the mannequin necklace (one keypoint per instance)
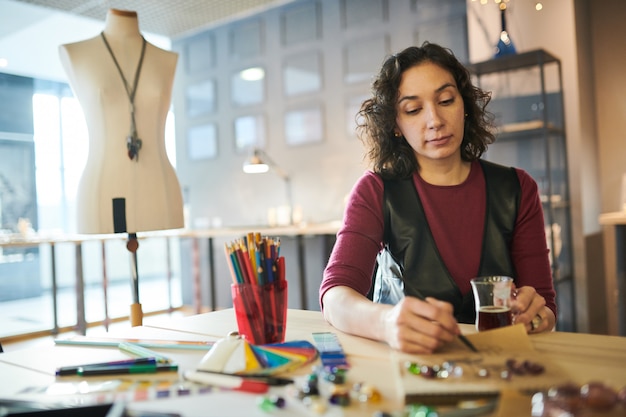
(133, 143)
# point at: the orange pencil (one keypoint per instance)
(252, 256)
(252, 278)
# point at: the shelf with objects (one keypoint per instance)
(527, 102)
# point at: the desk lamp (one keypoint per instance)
(259, 162)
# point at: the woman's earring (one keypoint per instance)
(397, 134)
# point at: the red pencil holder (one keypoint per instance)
(261, 311)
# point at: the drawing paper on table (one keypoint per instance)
(495, 348)
(509, 338)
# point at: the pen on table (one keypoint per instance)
(233, 382)
(132, 369)
(270, 380)
(73, 370)
(143, 352)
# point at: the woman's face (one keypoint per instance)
(430, 113)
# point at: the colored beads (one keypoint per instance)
(524, 367)
(340, 397)
(315, 404)
(441, 371)
(418, 410)
(413, 368)
(598, 396)
(309, 388)
(621, 396)
(572, 399)
(268, 404)
(448, 369)
(506, 375)
(381, 414)
(336, 375)
(365, 393)
(326, 386)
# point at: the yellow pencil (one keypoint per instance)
(252, 254)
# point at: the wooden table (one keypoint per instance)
(583, 357)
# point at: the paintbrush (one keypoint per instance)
(467, 343)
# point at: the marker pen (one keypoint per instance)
(132, 369)
(233, 382)
(73, 370)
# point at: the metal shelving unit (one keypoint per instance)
(527, 100)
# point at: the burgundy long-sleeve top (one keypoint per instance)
(456, 217)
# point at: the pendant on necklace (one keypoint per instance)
(133, 144)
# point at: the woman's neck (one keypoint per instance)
(121, 23)
(440, 173)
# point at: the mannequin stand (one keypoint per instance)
(136, 314)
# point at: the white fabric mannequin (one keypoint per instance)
(148, 184)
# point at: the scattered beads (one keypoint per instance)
(309, 388)
(442, 371)
(621, 396)
(327, 385)
(524, 367)
(572, 399)
(451, 369)
(268, 404)
(428, 371)
(315, 404)
(365, 393)
(336, 375)
(566, 395)
(413, 368)
(418, 410)
(340, 397)
(598, 396)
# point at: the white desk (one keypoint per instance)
(36, 367)
(299, 232)
(584, 358)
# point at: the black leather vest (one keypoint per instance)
(410, 242)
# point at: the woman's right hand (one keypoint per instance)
(417, 326)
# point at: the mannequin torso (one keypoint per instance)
(148, 184)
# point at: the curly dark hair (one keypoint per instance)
(376, 119)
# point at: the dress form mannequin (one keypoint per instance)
(117, 193)
(147, 186)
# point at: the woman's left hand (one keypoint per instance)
(529, 308)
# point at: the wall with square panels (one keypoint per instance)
(289, 81)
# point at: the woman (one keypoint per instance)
(433, 213)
